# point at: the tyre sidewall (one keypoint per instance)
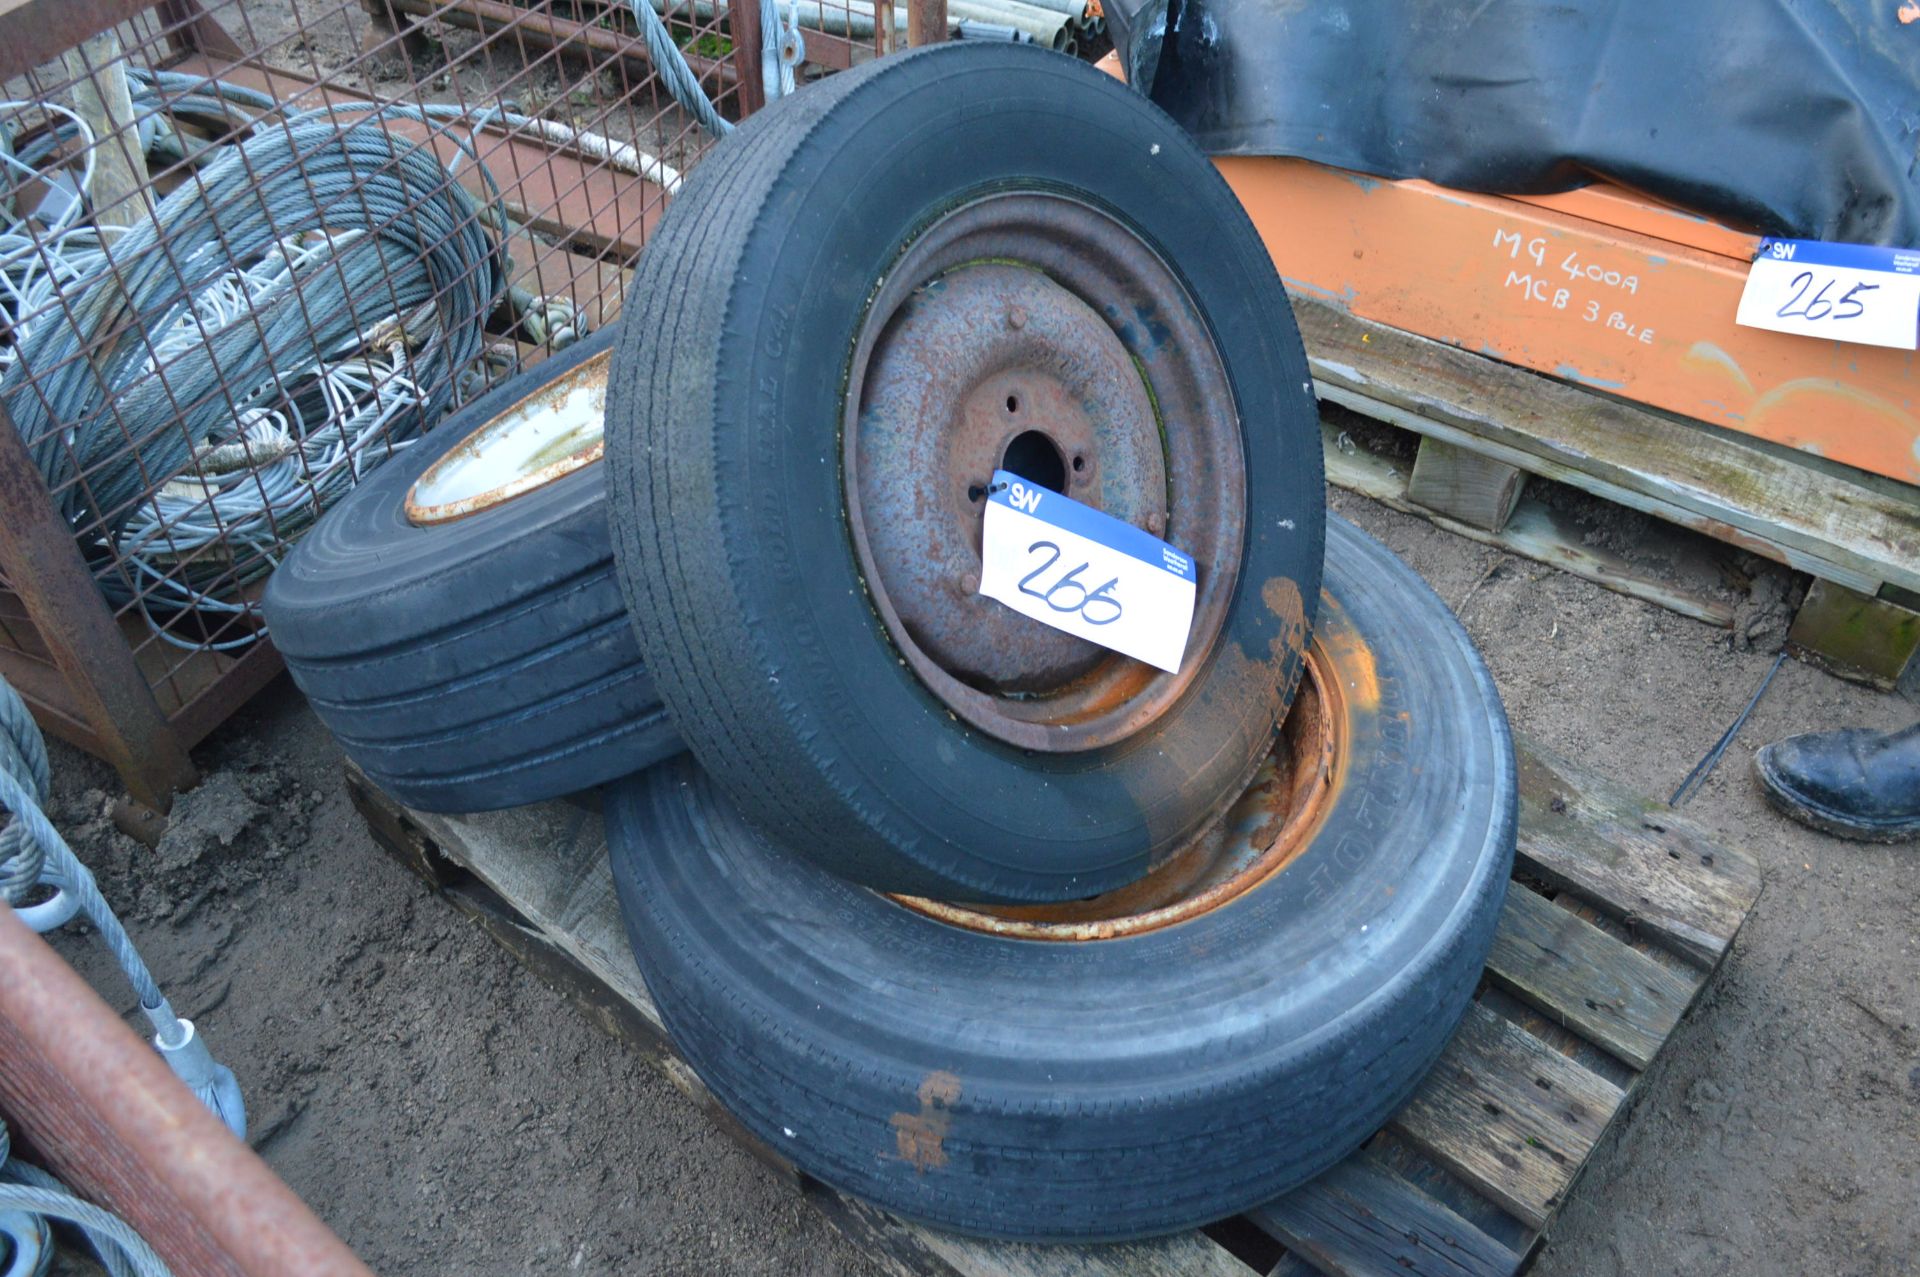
(1077, 822)
(1124, 1087)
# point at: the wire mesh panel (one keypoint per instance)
(249, 251)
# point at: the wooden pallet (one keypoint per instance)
(1484, 425)
(1619, 913)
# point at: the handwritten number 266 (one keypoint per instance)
(1096, 607)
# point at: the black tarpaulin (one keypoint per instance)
(1787, 117)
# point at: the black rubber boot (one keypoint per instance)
(1852, 783)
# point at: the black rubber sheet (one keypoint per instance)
(1787, 117)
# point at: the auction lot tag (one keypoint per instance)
(1843, 292)
(1067, 565)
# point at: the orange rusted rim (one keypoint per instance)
(1260, 835)
(546, 436)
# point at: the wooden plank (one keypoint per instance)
(1586, 980)
(1858, 637)
(1511, 1115)
(1857, 532)
(1633, 857)
(550, 862)
(1464, 485)
(1360, 1219)
(1534, 531)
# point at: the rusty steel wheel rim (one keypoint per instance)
(1034, 332)
(1269, 825)
(556, 430)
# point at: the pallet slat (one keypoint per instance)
(1846, 526)
(1532, 530)
(1510, 1113)
(1361, 1219)
(1657, 870)
(1587, 980)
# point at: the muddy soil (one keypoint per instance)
(446, 1113)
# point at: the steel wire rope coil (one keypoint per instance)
(420, 242)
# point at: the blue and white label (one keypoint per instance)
(1067, 565)
(1842, 292)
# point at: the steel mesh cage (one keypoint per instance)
(249, 250)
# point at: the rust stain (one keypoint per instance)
(1351, 656)
(1270, 823)
(921, 1137)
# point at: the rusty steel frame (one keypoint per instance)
(46, 570)
(96, 1106)
(81, 664)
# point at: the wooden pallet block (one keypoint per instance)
(1484, 426)
(1619, 913)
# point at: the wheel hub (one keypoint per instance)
(548, 435)
(995, 367)
(1032, 332)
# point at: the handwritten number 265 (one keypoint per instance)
(1096, 607)
(1818, 307)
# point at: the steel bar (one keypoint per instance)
(103, 1112)
(36, 31)
(926, 22)
(44, 566)
(543, 30)
(743, 24)
(191, 29)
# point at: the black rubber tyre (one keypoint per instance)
(1115, 1088)
(480, 663)
(731, 528)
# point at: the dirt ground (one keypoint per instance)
(446, 1113)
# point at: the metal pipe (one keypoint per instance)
(111, 1120)
(1046, 27)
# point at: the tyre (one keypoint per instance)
(863, 303)
(1181, 1050)
(462, 634)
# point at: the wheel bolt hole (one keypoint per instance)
(1036, 458)
(1079, 464)
(1013, 403)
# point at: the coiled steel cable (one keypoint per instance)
(29, 1197)
(22, 767)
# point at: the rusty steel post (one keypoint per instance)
(103, 1112)
(191, 29)
(926, 22)
(743, 22)
(45, 569)
(883, 34)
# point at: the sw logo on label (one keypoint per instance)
(1086, 573)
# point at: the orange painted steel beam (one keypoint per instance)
(101, 1110)
(1598, 286)
(1600, 303)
